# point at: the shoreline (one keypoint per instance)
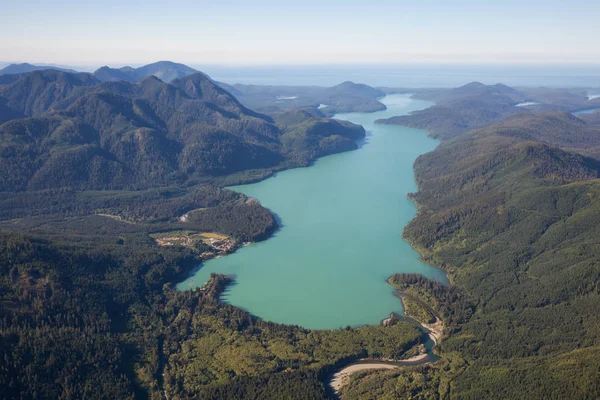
(419, 250)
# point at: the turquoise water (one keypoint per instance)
(340, 236)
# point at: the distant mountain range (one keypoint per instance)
(345, 97)
(272, 100)
(166, 71)
(475, 105)
(25, 67)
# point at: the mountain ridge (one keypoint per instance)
(166, 71)
(83, 133)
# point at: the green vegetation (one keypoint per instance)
(553, 128)
(462, 109)
(223, 211)
(309, 134)
(96, 317)
(82, 134)
(415, 309)
(432, 381)
(515, 222)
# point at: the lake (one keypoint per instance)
(340, 236)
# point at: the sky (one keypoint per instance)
(268, 32)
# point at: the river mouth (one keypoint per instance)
(341, 239)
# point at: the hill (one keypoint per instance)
(554, 128)
(273, 100)
(84, 134)
(310, 133)
(514, 219)
(593, 119)
(473, 89)
(25, 67)
(462, 109)
(166, 71)
(35, 93)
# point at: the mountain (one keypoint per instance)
(34, 93)
(84, 134)
(352, 89)
(473, 89)
(25, 67)
(462, 109)
(273, 100)
(593, 119)
(166, 71)
(308, 131)
(553, 128)
(116, 74)
(559, 99)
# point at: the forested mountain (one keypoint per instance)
(274, 100)
(514, 218)
(310, 132)
(592, 119)
(459, 110)
(473, 89)
(166, 71)
(560, 99)
(554, 128)
(476, 105)
(90, 135)
(35, 93)
(25, 67)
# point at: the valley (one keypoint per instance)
(131, 194)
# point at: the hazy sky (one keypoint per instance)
(114, 32)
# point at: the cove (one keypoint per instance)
(340, 236)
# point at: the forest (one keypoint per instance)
(101, 319)
(512, 213)
(70, 130)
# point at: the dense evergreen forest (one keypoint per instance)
(70, 130)
(99, 318)
(475, 105)
(513, 214)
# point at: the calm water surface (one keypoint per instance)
(340, 237)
